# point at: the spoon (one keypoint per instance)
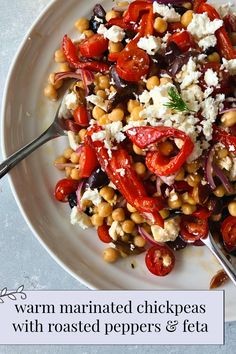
(214, 248)
(55, 130)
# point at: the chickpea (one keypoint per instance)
(214, 57)
(64, 67)
(67, 153)
(152, 82)
(59, 56)
(116, 115)
(103, 82)
(232, 208)
(139, 241)
(109, 220)
(59, 160)
(82, 134)
(229, 118)
(233, 38)
(174, 201)
(137, 218)
(188, 209)
(166, 148)
(107, 193)
(110, 255)
(187, 18)
(160, 25)
(82, 24)
(195, 194)
(50, 92)
(137, 150)
(187, 5)
(97, 112)
(128, 226)
(135, 114)
(118, 214)
(188, 199)
(164, 213)
(104, 209)
(140, 168)
(68, 171)
(88, 33)
(165, 81)
(123, 3)
(104, 120)
(51, 80)
(180, 175)
(96, 220)
(192, 167)
(222, 153)
(74, 157)
(193, 179)
(115, 47)
(102, 93)
(75, 174)
(131, 105)
(112, 14)
(219, 191)
(130, 208)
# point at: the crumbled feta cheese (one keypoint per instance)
(196, 153)
(150, 44)
(169, 233)
(210, 109)
(99, 136)
(201, 25)
(115, 230)
(121, 171)
(98, 101)
(72, 140)
(211, 78)
(168, 13)
(92, 195)
(71, 101)
(208, 42)
(115, 33)
(229, 65)
(226, 163)
(232, 176)
(78, 217)
(189, 74)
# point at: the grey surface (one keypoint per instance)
(23, 259)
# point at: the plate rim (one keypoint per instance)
(12, 66)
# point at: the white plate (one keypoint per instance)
(26, 113)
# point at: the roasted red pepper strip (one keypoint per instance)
(119, 21)
(70, 52)
(129, 185)
(113, 56)
(228, 140)
(224, 44)
(145, 137)
(197, 3)
(135, 9)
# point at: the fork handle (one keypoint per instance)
(22, 153)
(228, 267)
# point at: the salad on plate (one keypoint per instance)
(151, 122)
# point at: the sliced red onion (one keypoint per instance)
(147, 236)
(121, 202)
(67, 75)
(209, 169)
(158, 185)
(220, 174)
(87, 78)
(232, 109)
(78, 150)
(79, 195)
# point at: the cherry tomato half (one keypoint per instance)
(228, 230)
(224, 78)
(183, 40)
(81, 116)
(160, 260)
(65, 187)
(132, 64)
(87, 162)
(103, 233)
(94, 46)
(192, 228)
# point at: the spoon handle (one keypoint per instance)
(19, 155)
(228, 267)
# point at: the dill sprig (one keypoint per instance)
(176, 102)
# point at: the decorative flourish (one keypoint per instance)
(12, 295)
(176, 102)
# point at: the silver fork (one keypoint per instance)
(55, 130)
